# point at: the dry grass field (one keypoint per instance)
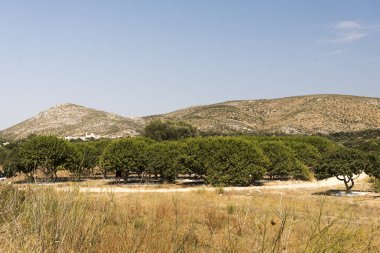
(41, 219)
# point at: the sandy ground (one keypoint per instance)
(294, 185)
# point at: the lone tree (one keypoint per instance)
(343, 163)
(169, 130)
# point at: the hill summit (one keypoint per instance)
(74, 120)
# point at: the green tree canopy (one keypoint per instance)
(82, 157)
(305, 153)
(46, 153)
(323, 145)
(283, 162)
(233, 161)
(12, 164)
(193, 156)
(124, 156)
(3, 155)
(169, 130)
(163, 159)
(374, 168)
(343, 163)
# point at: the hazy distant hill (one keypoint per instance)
(74, 120)
(292, 115)
(302, 114)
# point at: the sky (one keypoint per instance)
(138, 57)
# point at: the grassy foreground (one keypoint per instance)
(45, 220)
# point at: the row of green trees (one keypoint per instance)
(236, 161)
(48, 154)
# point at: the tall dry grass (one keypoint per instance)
(44, 220)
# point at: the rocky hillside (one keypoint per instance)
(292, 115)
(74, 120)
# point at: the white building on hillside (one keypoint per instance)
(86, 137)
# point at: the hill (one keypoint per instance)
(292, 115)
(74, 120)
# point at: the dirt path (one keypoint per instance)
(295, 185)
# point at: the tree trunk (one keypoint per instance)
(139, 174)
(347, 184)
(78, 174)
(143, 176)
(126, 176)
(104, 173)
(55, 177)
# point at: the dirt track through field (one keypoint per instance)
(296, 185)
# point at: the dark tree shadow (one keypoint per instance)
(327, 192)
(338, 193)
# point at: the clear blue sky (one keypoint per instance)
(147, 57)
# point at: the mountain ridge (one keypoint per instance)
(255, 116)
(307, 114)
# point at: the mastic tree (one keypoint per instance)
(169, 130)
(3, 155)
(300, 171)
(124, 156)
(193, 157)
(323, 145)
(233, 161)
(343, 163)
(6, 150)
(83, 158)
(12, 165)
(305, 153)
(162, 158)
(44, 153)
(100, 146)
(374, 166)
(282, 160)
